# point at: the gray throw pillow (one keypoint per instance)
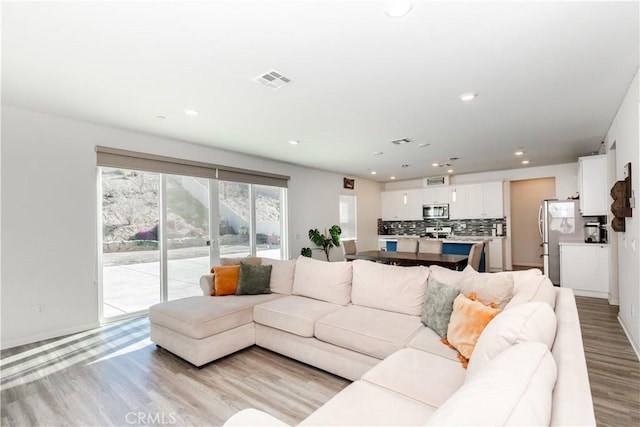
(438, 306)
(254, 279)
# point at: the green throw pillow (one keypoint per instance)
(254, 279)
(438, 306)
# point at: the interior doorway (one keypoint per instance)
(526, 243)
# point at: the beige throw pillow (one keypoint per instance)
(489, 287)
(282, 273)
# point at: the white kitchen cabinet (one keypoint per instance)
(436, 195)
(458, 203)
(592, 185)
(496, 251)
(401, 205)
(584, 267)
(483, 200)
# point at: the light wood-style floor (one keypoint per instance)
(116, 376)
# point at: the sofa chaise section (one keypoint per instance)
(201, 329)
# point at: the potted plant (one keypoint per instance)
(324, 241)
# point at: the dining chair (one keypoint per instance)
(474, 255)
(430, 246)
(349, 247)
(407, 245)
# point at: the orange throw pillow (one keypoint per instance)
(225, 279)
(467, 322)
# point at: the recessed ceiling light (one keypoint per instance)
(519, 153)
(392, 177)
(398, 9)
(378, 153)
(424, 144)
(469, 96)
(401, 141)
(294, 142)
(435, 165)
(525, 162)
(449, 170)
(160, 117)
(373, 172)
(190, 112)
(405, 165)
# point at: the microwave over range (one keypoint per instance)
(439, 211)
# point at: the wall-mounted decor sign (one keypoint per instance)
(622, 194)
(349, 184)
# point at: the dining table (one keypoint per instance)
(454, 262)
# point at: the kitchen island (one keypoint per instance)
(458, 245)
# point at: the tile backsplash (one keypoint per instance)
(460, 227)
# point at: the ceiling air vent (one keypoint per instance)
(435, 181)
(401, 141)
(273, 79)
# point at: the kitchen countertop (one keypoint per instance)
(582, 244)
(455, 239)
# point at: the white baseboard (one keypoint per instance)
(592, 294)
(634, 344)
(48, 335)
(614, 301)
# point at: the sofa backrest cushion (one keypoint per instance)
(282, 273)
(531, 285)
(253, 260)
(322, 280)
(514, 389)
(531, 321)
(389, 287)
(445, 276)
(489, 288)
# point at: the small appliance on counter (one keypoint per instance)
(592, 232)
(595, 232)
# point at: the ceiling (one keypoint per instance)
(549, 76)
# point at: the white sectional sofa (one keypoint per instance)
(362, 321)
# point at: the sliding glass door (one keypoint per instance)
(130, 244)
(157, 239)
(186, 228)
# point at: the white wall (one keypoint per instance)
(49, 200)
(566, 176)
(624, 132)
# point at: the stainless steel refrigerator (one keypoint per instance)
(559, 221)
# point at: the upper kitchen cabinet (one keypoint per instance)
(458, 203)
(483, 200)
(401, 205)
(592, 185)
(437, 195)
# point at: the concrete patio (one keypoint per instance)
(131, 280)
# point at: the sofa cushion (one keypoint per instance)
(225, 279)
(253, 260)
(514, 389)
(254, 279)
(365, 404)
(321, 280)
(293, 314)
(531, 285)
(203, 316)
(389, 287)
(427, 340)
(446, 276)
(282, 273)
(468, 320)
(425, 377)
(532, 321)
(489, 288)
(370, 331)
(438, 306)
